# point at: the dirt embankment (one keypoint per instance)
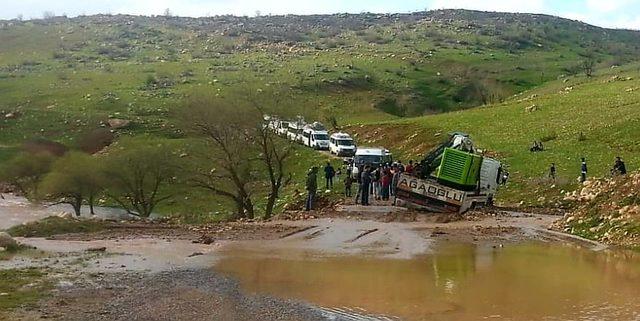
(606, 210)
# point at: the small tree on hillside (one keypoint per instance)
(588, 65)
(25, 171)
(229, 150)
(74, 179)
(139, 172)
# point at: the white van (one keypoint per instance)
(342, 144)
(372, 156)
(283, 128)
(294, 132)
(316, 139)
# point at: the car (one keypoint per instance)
(342, 144)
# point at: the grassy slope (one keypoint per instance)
(607, 112)
(66, 77)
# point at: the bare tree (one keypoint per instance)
(20, 17)
(588, 65)
(274, 152)
(226, 129)
(167, 12)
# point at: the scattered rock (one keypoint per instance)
(194, 254)
(117, 123)
(6, 241)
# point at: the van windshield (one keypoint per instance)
(345, 142)
(368, 159)
(321, 137)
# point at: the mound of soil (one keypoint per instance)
(606, 210)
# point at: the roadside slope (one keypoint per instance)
(597, 118)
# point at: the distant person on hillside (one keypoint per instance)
(552, 171)
(583, 170)
(537, 147)
(312, 187)
(329, 174)
(619, 168)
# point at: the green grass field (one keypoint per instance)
(596, 118)
(62, 78)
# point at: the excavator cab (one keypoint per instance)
(431, 162)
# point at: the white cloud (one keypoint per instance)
(531, 6)
(603, 6)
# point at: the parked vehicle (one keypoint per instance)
(282, 128)
(316, 136)
(342, 144)
(294, 132)
(372, 156)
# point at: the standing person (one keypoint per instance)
(552, 171)
(348, 181)
(375, 177)
(357, 175)
(365, 183)
(619, 168)
(583, 170)
(386, 183)
(401, 167)
(312, 187)
(329, 173)
(409, 168)
(394, 179)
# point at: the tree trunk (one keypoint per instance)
(248, 207)
(271, 202)
(77, 206)
(91, 201)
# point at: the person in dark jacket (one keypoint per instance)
(348, 181)
(619, 168)
(583, 170)
(365, 184)
(312, 187)
(552, 171)
(329, 174)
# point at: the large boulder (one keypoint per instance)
(6, 241)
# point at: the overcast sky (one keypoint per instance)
(606, 13)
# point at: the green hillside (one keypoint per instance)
(61, 79)
(63, 75)
(597, 118)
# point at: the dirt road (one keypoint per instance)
(111, 275)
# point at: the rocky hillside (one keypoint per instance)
(607, 210)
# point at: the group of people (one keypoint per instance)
(372, 181)
(619, 168)
(377, 181)
(536, 147)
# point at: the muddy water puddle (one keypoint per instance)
(530, 281)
